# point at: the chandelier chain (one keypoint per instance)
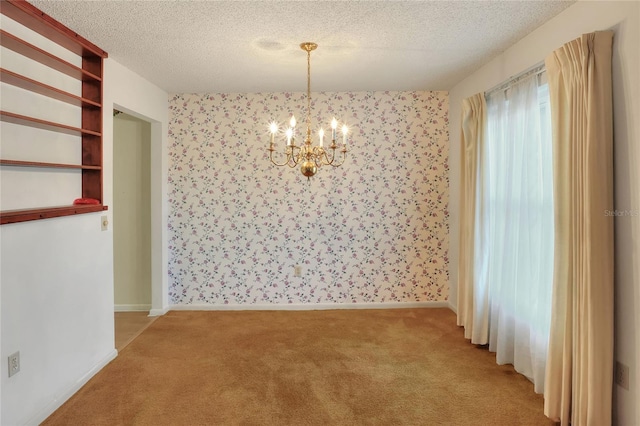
(308, 93)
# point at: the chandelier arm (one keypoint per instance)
(292, 159)
(344, 157)
(317, 155)
(278, 164)
(326, 160)
(296, 158)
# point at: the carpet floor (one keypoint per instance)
(340, 367)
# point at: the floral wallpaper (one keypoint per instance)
(373, 230)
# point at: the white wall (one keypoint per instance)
(130, 93)
(131, 213)
(583, 17)
(57, 310)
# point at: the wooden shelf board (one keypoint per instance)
(10, 117)
(35, 86)
(16, 216)
(20, 163)
(33, 52)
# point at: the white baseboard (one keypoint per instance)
(131, 308)
(159, 312)
(68, 393)
(453, 307)
(307, 306)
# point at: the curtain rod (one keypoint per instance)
(534, 70)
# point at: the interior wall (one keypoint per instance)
(56, 282)
(371, 231)
(57, 310)
(131, 213)
(56, 275)
(584, 17)
(128, 92)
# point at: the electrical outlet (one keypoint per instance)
(104, 223)
(622, 375)
(297, 271)
(14, 363)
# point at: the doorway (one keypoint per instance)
(131, 220)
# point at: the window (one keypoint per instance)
(515, 232)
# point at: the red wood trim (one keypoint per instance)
(92, 146)
(100, 177)
(32, 17)
(27, 49)
(91, 184)
(10, 117)
(35, 86)
(16, 216)
(21, 163)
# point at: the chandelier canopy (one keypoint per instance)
(309, 157)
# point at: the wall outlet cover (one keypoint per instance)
(622, 375)
(14, 363)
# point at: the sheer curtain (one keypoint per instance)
(515, 226)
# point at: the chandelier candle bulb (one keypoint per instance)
(321, 133)
(293, 126)
(289, 136)
(334, 126)
(273, 127)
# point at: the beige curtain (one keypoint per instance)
(471, 145)
(579, 375)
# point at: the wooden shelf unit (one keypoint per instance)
(90, 103)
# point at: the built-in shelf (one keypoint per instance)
(90, 103)
(35, 86)
(21, 163)
(24, 215)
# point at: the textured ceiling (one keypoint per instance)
(238, 46)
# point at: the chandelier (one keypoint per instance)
(309, 157)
